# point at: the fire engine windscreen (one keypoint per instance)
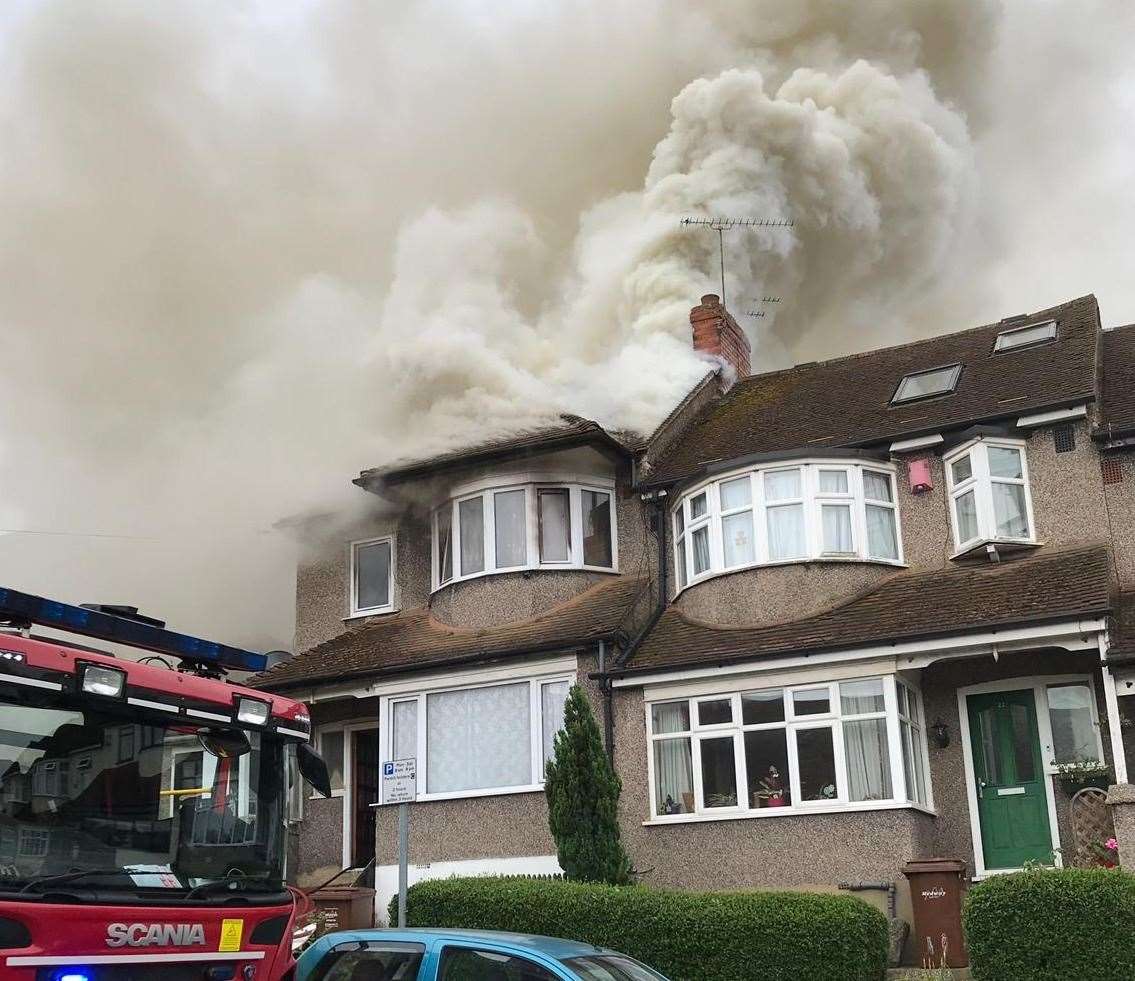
(89, 790)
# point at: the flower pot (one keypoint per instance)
(778, 801)
(1071, 785)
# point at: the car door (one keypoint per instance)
(460, 961)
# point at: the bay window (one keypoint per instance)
(504, 529)
(989, 493)
(372, 576)
(848, 744)
(476, 739)
(778, 513)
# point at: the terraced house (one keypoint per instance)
(833, 618)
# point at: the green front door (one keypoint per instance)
(1012, 803)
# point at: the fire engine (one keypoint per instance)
(143, 803)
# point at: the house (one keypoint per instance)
(832, 618)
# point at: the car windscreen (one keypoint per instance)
(611, 967)
(120, 800)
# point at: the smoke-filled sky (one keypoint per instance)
(249, 249)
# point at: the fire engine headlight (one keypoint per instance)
(99, 680)
(252, 711)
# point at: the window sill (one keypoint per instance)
(381, 611)
(973, 548)
(781, 812)
(535, 788)
(812, 560)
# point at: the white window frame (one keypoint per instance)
(530, 485)
(354, 610)
(956, 374)
(833, 719)
(535, 682)
(981, 483)
(1004, 342)
(810, 501)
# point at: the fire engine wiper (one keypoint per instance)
(72, 876)
(230, 882)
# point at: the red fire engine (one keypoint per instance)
(143, 806)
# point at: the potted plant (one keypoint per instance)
(770, 791)
(1106, 853)
(1078, 774)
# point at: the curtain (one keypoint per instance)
(701, 550)
(1009, 510)
(597, 529)
(479, 738)
(555, 540)
(552, 698)
(673, 776)
(868, 759)
(671, 717)
(876, 486)
(735, 494)
(837, 528)
(882, 539)
(786, 532)
(1073, 731)
(445, 544)
(512, 547)
(405, 741)
(737, 530)
(861, 697)
(833, 481)
(471, 515)
(782, 485)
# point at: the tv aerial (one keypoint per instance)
(756, 312)
(722, 225)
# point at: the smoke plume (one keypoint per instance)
(251, 249)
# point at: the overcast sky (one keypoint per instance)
(250, 249)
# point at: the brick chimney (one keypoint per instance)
(718, 335)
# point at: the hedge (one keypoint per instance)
(686, 936)
(1051, 925)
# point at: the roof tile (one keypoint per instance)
(847, 401)
(907, 606)
(413, 639)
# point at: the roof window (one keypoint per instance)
(924, 384)
(1025, 336)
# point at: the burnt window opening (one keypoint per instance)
(1112, 469)
(1064, 437)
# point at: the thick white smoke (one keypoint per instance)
(251, 249)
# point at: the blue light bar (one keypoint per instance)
(24, 608)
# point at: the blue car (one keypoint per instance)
(462, 955)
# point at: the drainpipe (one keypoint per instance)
(659, 607)
(888, 887)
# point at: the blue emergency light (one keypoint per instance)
(25, 610)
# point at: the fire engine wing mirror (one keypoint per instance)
(313, 769)
(225, 744)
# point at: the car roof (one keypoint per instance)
(555, 947)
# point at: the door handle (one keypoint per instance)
(980, 788)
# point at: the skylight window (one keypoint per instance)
(924, 384)
(1025, 336)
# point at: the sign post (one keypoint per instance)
(400, 786)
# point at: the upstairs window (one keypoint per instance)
(524, 527)
(926, 384)
(372, 574)
(787, 514)
(989, 493)
(1025, 336)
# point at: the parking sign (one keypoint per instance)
(399, 781)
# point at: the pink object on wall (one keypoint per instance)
(918, 471)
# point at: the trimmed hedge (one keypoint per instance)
(687, 936)
(1051, 925)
